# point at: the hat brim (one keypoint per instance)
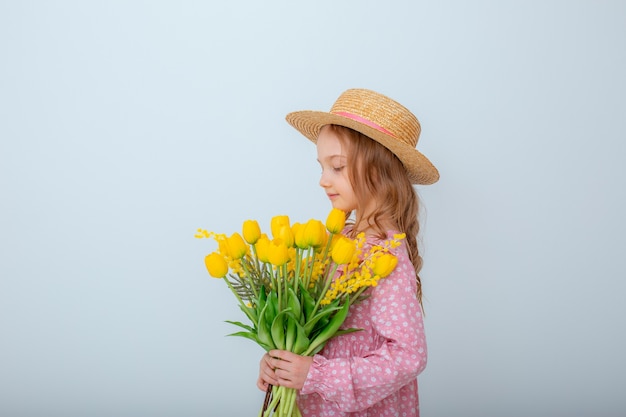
(420, 170)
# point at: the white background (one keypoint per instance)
(126, 125)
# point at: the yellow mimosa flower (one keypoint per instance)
(263, 248)
(278, 253)
(251, 231)
(276, 223)
(202, 233)
(236, 246)
(399, 236)
(216, 265)
(384, 264)
(336, 220)
(343, 250)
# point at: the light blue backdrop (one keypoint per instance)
(126, 125)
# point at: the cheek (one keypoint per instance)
(346, 185)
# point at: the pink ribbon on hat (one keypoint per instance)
(360, 119)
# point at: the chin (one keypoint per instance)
(342, 207)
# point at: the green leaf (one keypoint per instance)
(294, 303)
(302, 341)
(243, 326)
(263, 329)
(252, 337)
(330, 330)
(290, 332)
(272, 306)
(278, 330)
(325, 313)
(308, 303)
(250, 312)
(346, 331)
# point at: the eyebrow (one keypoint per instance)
(331, 157)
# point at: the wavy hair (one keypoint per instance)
(375, 173)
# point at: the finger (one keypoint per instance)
(277, 363)
(283, 377)
(283, 355)
(284, 382)
(266, 359)
(270, 377)
(267, 365)
(262, 385)
(280, 354)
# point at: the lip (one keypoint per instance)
(332, 196)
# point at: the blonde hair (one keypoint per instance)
(376, 173)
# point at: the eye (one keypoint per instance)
(338, 168)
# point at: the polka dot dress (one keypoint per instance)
(372, 372)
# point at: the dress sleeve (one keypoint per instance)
(356, 383)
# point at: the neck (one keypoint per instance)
(366, 225)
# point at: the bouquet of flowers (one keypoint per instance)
(289, 287)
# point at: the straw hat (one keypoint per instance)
(378, 117)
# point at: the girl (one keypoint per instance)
(366, 149)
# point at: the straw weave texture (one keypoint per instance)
(378, 117)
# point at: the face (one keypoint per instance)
(334, 180)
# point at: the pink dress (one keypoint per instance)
(372, 372)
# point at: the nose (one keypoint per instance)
(324, 182)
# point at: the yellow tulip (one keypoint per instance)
(384, 265)
(286, 235)
(276, 223)
(336, 221)
(298, 234)
(251, 231)
(278, 253)
(334, 240)
(314, 233)
(236, 246)
(263, 248)
(223, 247)
(343, 250)
(216, 265)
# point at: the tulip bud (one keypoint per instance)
(278, 253)
(223, 248)
(343, 250)
(298, 235)
(263, 248)
(286, 235)
(384, 265)
(236, 246)
(336, 221)
(276, 223)
(251, 231)
(314, 233)
(216, 265)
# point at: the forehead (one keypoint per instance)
(329, 144)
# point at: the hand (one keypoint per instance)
(283, 368)
(266, 373)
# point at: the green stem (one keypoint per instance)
(272, 277)
(307, 269)
(252, 286)
(286, 278)
(326, 249)
(290, 402)
(279, 292)
(245, 307)
(328, 281)
(296, 275)
(256, 258)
